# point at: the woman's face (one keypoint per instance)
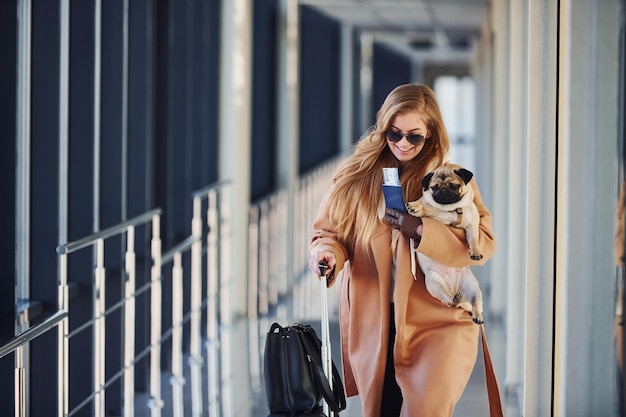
(406, 136)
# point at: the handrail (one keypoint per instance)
(179, 248)
(32, 333)
(70, 247)
(199, 193)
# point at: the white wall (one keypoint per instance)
(587, 196)
(552, 69)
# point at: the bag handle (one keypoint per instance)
(335, 398)
(493, 391)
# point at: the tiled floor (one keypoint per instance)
(241, 387)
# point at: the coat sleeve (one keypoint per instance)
(325, 239)
(447, 244)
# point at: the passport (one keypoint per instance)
(392, 189)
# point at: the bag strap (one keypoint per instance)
(336, 397)
(493, 391)
(275, 327)
(337, 402)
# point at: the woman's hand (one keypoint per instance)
(319, 256)
(409, 226)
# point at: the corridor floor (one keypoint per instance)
(241, 390)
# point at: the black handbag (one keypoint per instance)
(295, 382)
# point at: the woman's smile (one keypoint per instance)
(405, 136)
(403, 149)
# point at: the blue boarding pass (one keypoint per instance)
(392, 189)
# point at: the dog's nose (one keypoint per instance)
(445, 196)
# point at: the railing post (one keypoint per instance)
(272, 250)
(253, 262)
(195, 359)
(177, 380)
(213, 266)
(225, 288)
(263, 249)
(129, 325)
(62, 342)
(20, 384)
(224, 235)
(156, 402)
(99, 331)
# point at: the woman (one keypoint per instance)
(404, 352)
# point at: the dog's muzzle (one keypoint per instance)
(446, 196)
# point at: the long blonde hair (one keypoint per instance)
(356, 204)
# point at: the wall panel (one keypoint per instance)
(8, 51)
(320, 39)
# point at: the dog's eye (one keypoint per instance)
(435, 188)
(453, 186)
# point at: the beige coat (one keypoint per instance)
(436, 345)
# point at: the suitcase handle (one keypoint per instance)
(323, 267)
(327, 360)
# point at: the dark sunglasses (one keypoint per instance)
(393, 136)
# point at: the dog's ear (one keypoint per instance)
(426, 180)
(466, 175)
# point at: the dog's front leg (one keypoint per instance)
(471, 235)
(421, 209)
(415, 208)
(470, 288)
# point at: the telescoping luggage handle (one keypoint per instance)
(327, 360)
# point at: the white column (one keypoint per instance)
(540, 145)
(586, 205)
(486, 145)
(515, 188)
(235, 131)
(235, 137)
(346, 118)
(500, 145)
(287, 82)
(365, 99)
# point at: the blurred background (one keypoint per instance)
(162, 161)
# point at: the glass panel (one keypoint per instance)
(457, 100)
(620, 236)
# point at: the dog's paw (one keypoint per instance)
(477, 311)
(476, 256)
(415, 208)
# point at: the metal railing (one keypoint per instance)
(212, 244)
(206, 249)
(268, 277)
(207, 241)
(217, 289)
(18, 345)
(267, 250)
(97, 322)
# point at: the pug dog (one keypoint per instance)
(449, 198)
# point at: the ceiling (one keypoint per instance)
(434, 30)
